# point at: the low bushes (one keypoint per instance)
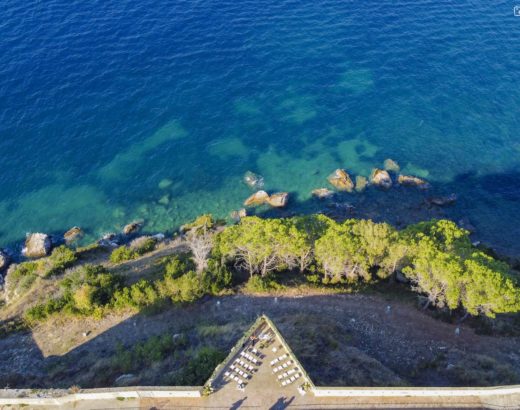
(137, 248)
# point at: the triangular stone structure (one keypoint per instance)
(260, 361)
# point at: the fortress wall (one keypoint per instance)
(103, 394)
(416, 391)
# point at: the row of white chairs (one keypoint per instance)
(287, 374)
(242, 373)
(278, 359)
(234, 377)
(282, 366)
(291, 380)
(245, 365)
(249, 357)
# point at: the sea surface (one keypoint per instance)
(112, 111)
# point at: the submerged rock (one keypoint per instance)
(381, 178)
(442, 200)
(132, 227)
(73, 234)
(410, 180)
(341, 180)
(5, 260)
(238, 215)
(322, 193)
(466, 224)
(253, 180)
(258, 198)
(165, 183)
(37, 245)
(391, 165)
(278, 200)
(361, 183)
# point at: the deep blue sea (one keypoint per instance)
(112, 111)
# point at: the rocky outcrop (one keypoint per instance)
(322, 193)
(109, 240)
(258, 198)
(442, 200)
(132, 228)
(361, 183)
(341, 180)
(253, 180)
(278, 200)
(5, 260)
(412, 181)
(381, 178)
(37, 245)
(73, 234)
(391, 165)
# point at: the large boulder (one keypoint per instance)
(37, 245)
(381, 178)
(132, 227)
(73, 234)
(253, 180)
(258, 198)
(278, 200)
(391, 165)
(5, 260)
(410, 180)
(341, 180)
(322, 193)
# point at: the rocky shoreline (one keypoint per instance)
(340, 200)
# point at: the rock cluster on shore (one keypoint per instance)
(276, 200)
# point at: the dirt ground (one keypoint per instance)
(342, 340)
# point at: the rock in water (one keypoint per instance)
(37, 245)
(278, 200)
(4, 260)
(73, 234)
(238, 215)
(391, 165)
(258, 198)
(165, 183)
(442, 200)
(341, 180)
(409, 180)
(132, 227)
(381, 178)
(361, 183)
(253, 180)
(322, 193)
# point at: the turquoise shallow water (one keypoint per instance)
(117, 110)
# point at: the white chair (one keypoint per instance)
(293, 379)
(284, 383)
(280, 377)
(227, 374)
(232, 368)
(297, 376)
(285, 365)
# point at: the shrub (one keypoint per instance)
(258, 284)
(175, 266)
(143, 245)
(20, 278)
(122, 254)
(199, 368)
(154, 349)
(60, 259)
